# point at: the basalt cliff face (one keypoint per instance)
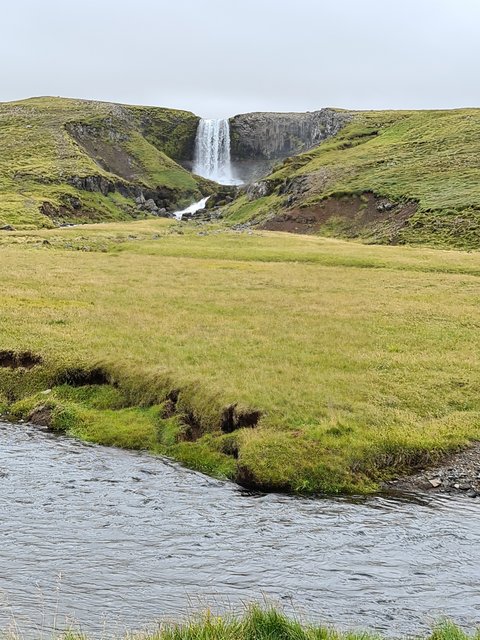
(258, 140)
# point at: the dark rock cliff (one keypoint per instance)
(258, 140)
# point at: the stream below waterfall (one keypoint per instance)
(111, 540)
(191, 209)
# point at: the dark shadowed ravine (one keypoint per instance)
(115, 540)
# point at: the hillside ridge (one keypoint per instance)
(69, 160)
(389, 177)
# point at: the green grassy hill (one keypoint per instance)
(391, 177)
(66, 160)
(387, 177)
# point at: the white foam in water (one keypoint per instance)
(193, 208)
(212, 151)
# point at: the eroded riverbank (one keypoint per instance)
(286, 363)
(116, 539)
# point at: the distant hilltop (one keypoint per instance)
(380, 176)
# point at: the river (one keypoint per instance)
(111, 540)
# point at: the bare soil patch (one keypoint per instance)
(354, 214)
(78, 377)
(17, 360)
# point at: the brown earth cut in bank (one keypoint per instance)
(353, 214)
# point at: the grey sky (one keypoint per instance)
(221, 57)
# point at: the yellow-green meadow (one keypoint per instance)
(285, 362)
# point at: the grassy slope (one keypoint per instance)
(431, 157)
(362, 359)
(39, 156)
(269, 624)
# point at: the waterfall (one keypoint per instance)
(212, 151)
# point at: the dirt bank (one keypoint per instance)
(353, 216)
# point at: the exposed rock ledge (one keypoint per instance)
(353, 215)
(258, 140)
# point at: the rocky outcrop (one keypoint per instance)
(258, 140)
(160, 196)
(105, 143)
(159, 201)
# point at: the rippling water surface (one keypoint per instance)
(116, 540)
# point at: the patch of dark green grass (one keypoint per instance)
(271, 624)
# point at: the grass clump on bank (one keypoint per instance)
(283, 362)
(271, 624)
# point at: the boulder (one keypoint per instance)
(151, 206)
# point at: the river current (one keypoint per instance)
(111, 540)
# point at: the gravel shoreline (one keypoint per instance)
(458, 474)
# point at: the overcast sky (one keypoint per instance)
(222, 57)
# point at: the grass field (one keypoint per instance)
(286, 362)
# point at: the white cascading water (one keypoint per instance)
(193, 208)
(211, 158)
(212, 151)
